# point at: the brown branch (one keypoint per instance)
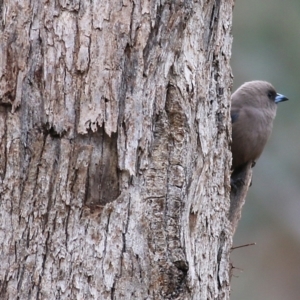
(242, 246)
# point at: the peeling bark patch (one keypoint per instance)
(214, 20)
(131, 65)
(177, 181)
(8, 93)
(1, 10)
(3, 137)
(192, 221)
(151, 41)
(165, 181)
(103, 176)
(222, 261)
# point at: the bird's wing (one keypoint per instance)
(249, 138)
(234, 115)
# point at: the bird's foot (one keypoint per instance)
(237, 183)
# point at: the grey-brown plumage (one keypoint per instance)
(253, 110)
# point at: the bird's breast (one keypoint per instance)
(249, 135)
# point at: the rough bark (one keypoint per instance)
(114, 128)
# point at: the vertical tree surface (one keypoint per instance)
(114, 152)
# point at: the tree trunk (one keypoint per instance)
(115, 160)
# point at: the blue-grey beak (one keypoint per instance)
(280, 98)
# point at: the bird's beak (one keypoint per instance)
(280, 98)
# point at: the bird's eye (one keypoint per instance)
(271, 95)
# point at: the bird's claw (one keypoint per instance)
(237, 183)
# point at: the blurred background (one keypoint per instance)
(266, 46)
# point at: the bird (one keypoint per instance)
(253, 109)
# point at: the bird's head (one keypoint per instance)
(259, 94)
